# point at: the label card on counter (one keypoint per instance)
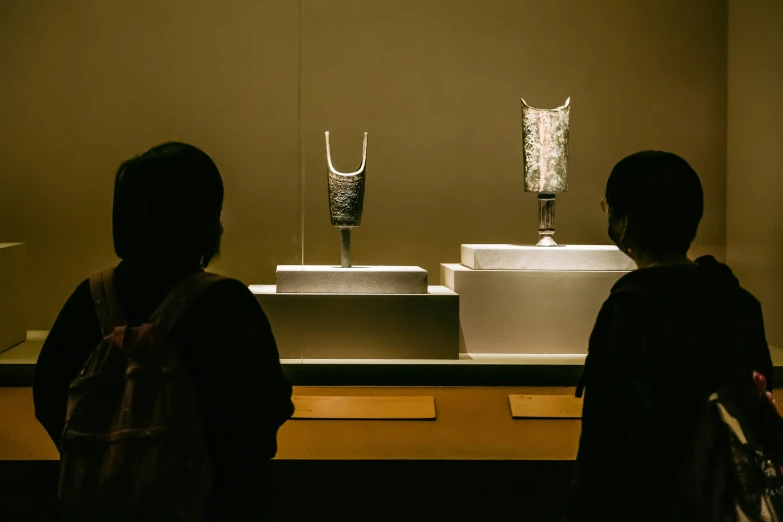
(354, 407)
(545, 407)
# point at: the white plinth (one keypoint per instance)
(355, 280)
(527, 312)
(363, 326)
(13, 323)
(557, 258)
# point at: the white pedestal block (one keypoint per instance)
(363, 326)
(13, 323)
(319, 279)
(556, 258)
(525, 312)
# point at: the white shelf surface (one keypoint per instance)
(358, 279)
(27, 354)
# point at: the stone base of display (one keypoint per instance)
(525, 311)
(13, 323)
(555, 258)
(321, 279)
(363, 326)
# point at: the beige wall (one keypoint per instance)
(435, 83)
(755, 154)
(89, 83)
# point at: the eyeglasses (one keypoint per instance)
(604, 206)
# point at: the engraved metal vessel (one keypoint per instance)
(346, 199)
(545, 160)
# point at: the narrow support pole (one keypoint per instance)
(546, 220)
(345, 247)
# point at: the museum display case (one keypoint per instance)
(412, 195)
(499, 299)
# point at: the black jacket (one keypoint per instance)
(664, 340)
(224, 340)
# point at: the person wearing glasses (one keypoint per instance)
(669, 334)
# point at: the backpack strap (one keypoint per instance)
(179, 298)
(104, 297)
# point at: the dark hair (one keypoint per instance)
(167, 205)
(661, 196)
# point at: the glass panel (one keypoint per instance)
(95, 83)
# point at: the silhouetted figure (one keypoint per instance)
(667, 337)
(167, 229)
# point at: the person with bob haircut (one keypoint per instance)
(167, 226)
(667, 337)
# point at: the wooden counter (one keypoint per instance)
(473, 423)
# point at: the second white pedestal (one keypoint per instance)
(525, 311)
(363, 326)
(13, 323)
(594, 258)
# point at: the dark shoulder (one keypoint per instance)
(82, 292)
(78, 305)
(224, 314)
(743, 311)
(629, 312)
(748, 301)
(627, 297)
(229, 289)
(226, 298)
(74, 334)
